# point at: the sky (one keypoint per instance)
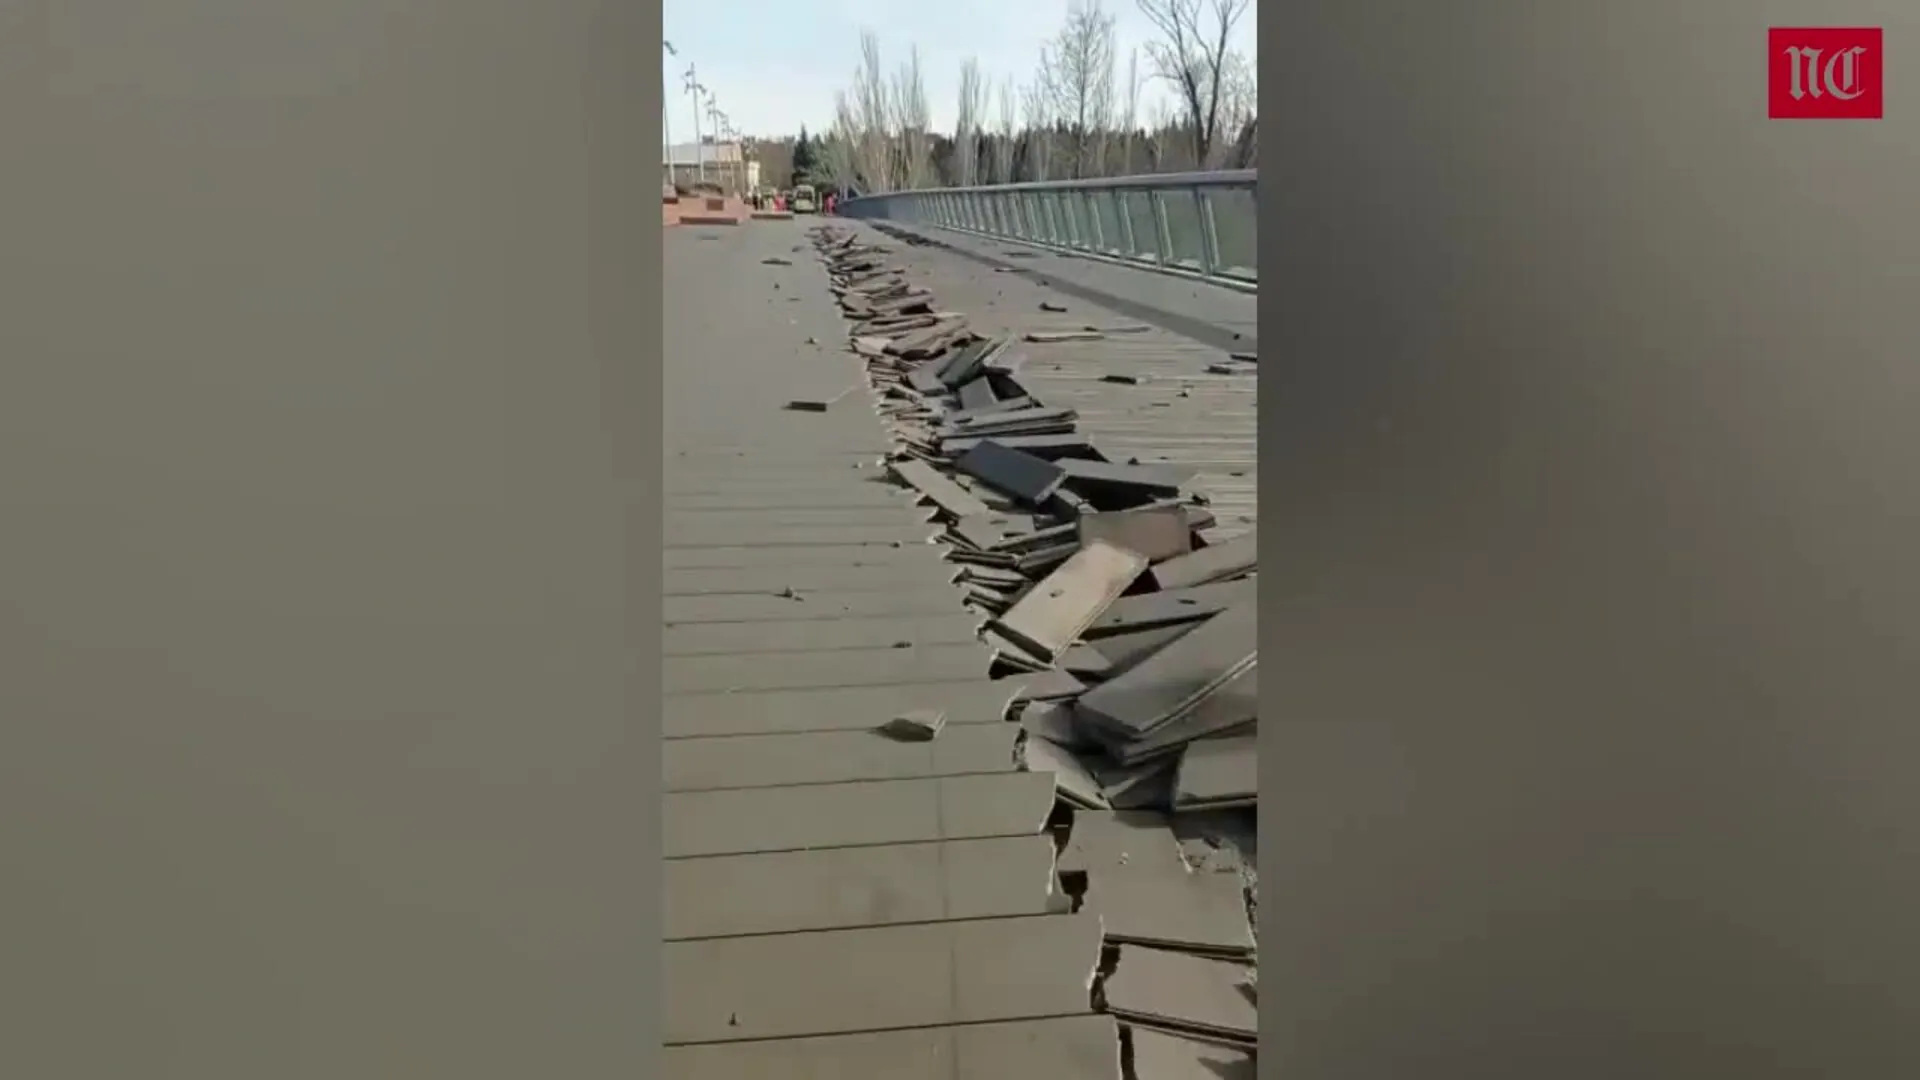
(775, 66)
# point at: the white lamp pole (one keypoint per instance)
(666, 127)
(695, 90)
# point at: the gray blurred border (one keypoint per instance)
(1592, 429)
(328, 481)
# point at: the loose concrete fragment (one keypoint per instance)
(1048, 305)
(1137, 785)
(941, 490)
(1220, 562)
(1118, 840)
(1217, 773)
(1072, 780)
(1051, 686)
(1173, 909)
(1053, 721)
(1047, 337)
(1160, 1055)
(920, 725)
(1056, 612)
(1183, 992)
(1159, 532)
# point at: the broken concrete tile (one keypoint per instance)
(1140, 785)
(1141, 480)
(1025, 476)
(1014, 654)
(1217, 773)
(1123, 651)
(1216, 562)
(1072, 780)
(1084, 662)
(1194, 912)
(1219, 841)
(1161, 1055)
(1181, 991)
(1158, 532)
(1170, 606)
(842, 981)
(943, 492)
(976, 394)
(1053, 721)
(1121, 839)
(1050, 686)
(1232, 709)
(1052, 616)
(918, 725)
(985, 529)
(1041, 337)
(965, 366)
(1165, 685)
(1050, 447)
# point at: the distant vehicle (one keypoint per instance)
(805, 200)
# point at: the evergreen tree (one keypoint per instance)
(804, 163)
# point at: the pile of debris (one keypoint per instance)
(1136, 636)
(1133, 632)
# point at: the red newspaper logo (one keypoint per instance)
(1824, 73)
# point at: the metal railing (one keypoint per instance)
(1200, 225)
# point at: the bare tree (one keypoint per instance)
(1192, 54)
(911, 119)
(840, 156)
(1130, 117)
(1004, 135)
(1239, 105)
(1036, 106)
(1078, 79)
(874, 157)
(1159, 123)
(967, 123)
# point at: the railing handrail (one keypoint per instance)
(1221, 178)
(1166, 222)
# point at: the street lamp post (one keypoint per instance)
(713, 120)
(696, 91)
(666, 129)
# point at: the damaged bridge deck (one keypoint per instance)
(840, 901)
